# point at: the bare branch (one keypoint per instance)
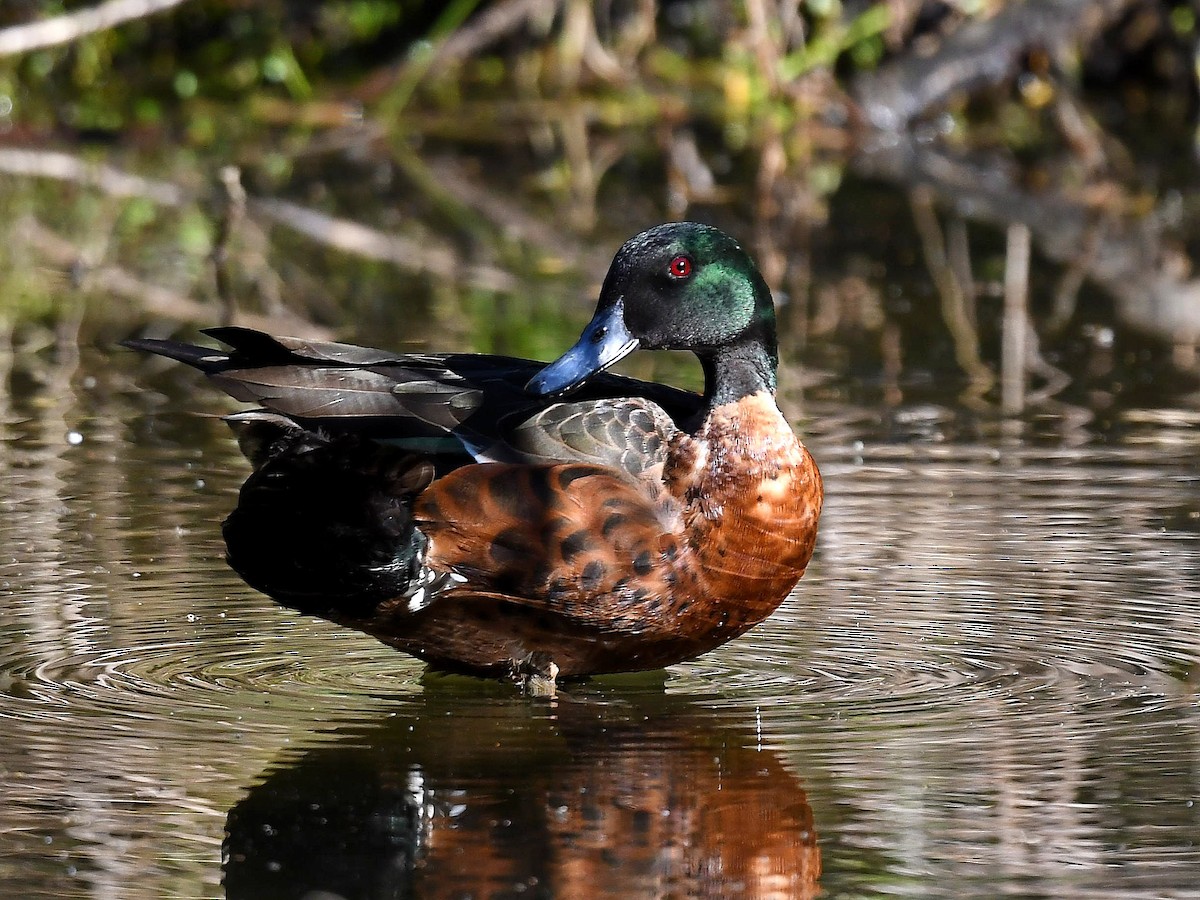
(966, 339)
(1124, 254)
(980, 52)
(64, 167)
(70, 27)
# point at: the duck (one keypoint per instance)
(503, 517)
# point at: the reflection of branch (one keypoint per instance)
(966, 341)
(351, 237)
(153, 298)
(64, 167)
(232, 213)
(1126, 256)
(406, 253)
(476, 198)
(1067, 291)
(64, 29)
(1016, 320)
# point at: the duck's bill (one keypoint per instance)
(604, 341)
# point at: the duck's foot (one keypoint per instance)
(535, 674)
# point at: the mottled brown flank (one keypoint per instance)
(578, 563)
(570, 561)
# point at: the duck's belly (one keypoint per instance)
(489, 635)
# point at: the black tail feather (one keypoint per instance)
(252, 346)
(206, 359)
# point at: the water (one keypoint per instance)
(985, 686)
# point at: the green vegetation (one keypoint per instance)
(474, 164)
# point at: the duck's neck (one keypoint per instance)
(739, 370)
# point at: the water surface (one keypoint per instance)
(986, 685)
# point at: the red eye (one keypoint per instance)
(681, 267)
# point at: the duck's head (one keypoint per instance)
(679, 286)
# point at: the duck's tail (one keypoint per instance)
(324, 524)
(206, 359)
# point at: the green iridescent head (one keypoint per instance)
(679, 286)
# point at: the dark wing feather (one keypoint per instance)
(256, 348)
(475, 404)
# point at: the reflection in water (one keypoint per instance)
(988, 684)
(456, 796)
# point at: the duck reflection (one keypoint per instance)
(469, 793)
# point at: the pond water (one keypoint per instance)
(985, 686)
(988, 682)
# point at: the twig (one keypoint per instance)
(892, 352)
(64, 167)
(419, 63)
(767, 53)
(958, 252)
(579, 46)
(72, 26)
(689, 178)
(573, 131)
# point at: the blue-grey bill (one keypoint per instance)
(604, 341)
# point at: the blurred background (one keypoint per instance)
(980, 219)
(460, 174)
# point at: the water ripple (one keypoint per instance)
(1042, 586)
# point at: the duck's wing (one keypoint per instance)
(472, 406)
(630, 434)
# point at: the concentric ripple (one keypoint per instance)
(995, 650)
(950, 576)
(216, 671)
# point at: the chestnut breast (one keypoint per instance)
(752, 496)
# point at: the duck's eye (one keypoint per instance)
(680, 267)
